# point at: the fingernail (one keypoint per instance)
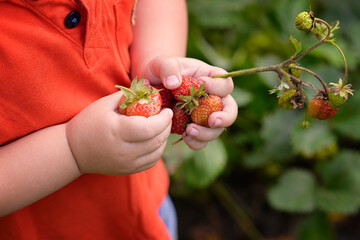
(171, 114)
(194, 132)
(217, 122)
(172, 81)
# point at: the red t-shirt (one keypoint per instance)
(49, 73)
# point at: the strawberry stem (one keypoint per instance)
(250, 71)
(177, 141)
(315, 75)
(343, 56)
(300, 55)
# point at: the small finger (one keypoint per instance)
(148, 160)
(203, 134)
(227, 116)
(193, 143)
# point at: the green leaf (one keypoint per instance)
(342, 172)
(348, 118)
(296, 44)
(337, 201)
(255, 160)
(175, 154)
(272, 91)
(205, 165)
(276, 132)
(295, 192)
(313, 141)
(315, 227)
(341, 183)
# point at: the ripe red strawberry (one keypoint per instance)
(179, 120)
(166, 96)
(140, 100)
(320, 109)
(207, 105)
(184, 89)
(145, 108)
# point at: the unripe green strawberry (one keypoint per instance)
(285, 99)
(336, 100)
(304, 21)
(207, 105)
(320, 109)
(293, 71)
(305, 124)
(339, 93)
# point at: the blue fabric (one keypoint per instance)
(167, 212)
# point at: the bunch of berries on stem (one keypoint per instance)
(291, 88)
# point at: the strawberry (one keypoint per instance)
(292, 99)
(293, 71)
(140, 100)
(320, 109)
(166, 96)
(179, 120)
(285, 100)
(184, 89)
(305, 21)
(144, 107)
(336, 100)
(338, 94)
(207, 105)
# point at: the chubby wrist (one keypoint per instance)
(70, 142)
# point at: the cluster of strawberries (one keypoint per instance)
(190, 102)
(327, 101)
(323, 106)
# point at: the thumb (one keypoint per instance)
(110, 101)
(168, 69)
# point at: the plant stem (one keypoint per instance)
(279, 67)
(315, 75)
(300, 55)
(250, 71)
(343, 56)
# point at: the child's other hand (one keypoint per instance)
(169, 71)
(105, 142)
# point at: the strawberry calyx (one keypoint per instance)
(138, 91)
(339, 93)
(189, 103)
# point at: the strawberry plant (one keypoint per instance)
(306, 179)
(289, 72)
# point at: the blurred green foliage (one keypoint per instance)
(313, 171)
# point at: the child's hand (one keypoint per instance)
(169, 71)
(103, 141)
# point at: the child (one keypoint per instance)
(71, 167)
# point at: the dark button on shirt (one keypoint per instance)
(72, 19)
